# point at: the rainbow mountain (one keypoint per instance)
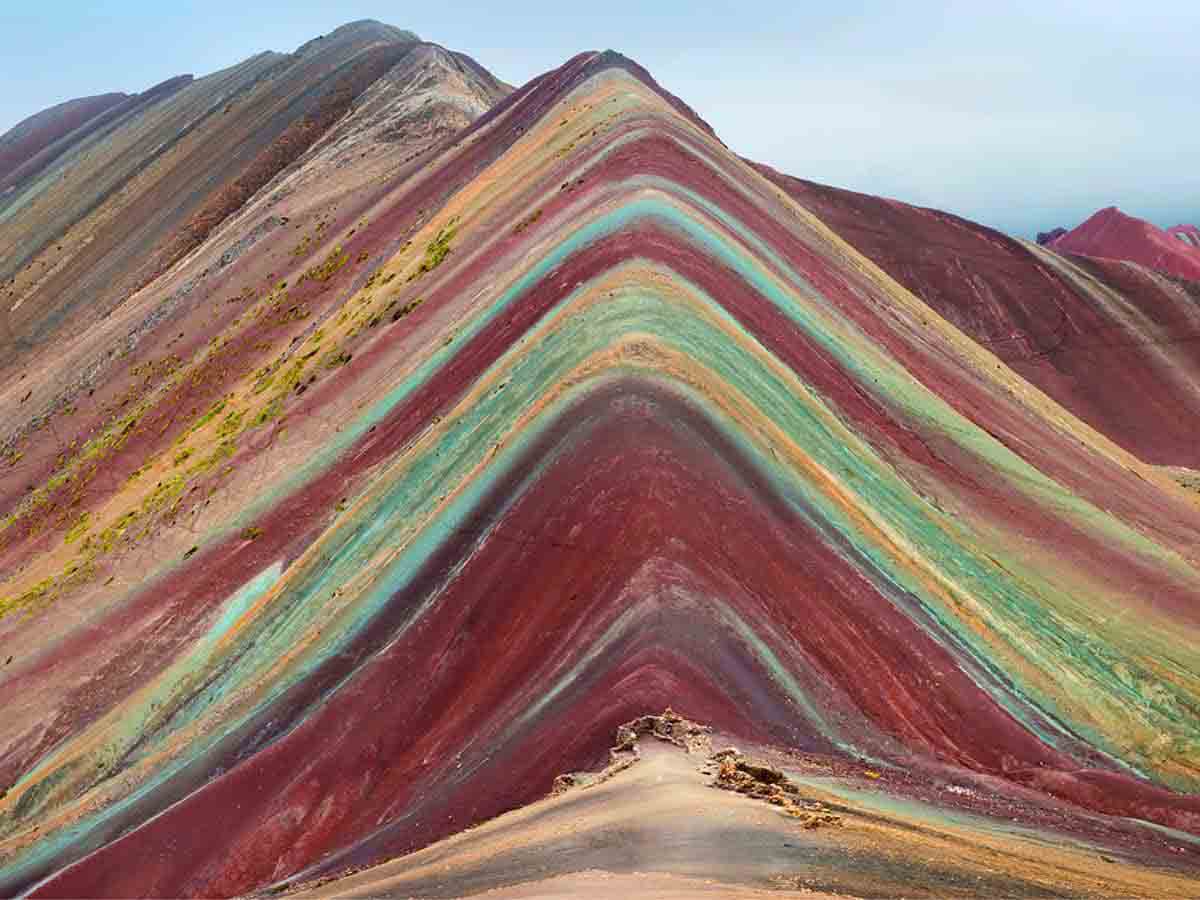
(569, 506)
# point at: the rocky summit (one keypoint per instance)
(413, 486)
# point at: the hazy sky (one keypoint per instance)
(1020, 114)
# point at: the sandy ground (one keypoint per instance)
(660, 829)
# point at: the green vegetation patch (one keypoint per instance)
(439, 248)
(79, 529)
(269, 413)
(231, 424)
(327, 269)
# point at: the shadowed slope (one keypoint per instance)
(1117, 345)
(571, 418)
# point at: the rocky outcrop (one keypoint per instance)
(1048, 237)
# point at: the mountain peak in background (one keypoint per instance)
(412, 486)
(1112, 234)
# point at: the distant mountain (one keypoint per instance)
(1112, 234)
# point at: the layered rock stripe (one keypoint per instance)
(143, 183)
(1112, 340)
(576, 417)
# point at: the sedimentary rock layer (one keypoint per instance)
(152, 178)
(36, 135)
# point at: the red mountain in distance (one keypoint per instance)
(1112, 234)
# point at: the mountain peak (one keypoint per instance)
(374, 26)
(360, 30)
(1112, 213)
(1110, 233)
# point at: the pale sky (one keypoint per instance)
(1022, 115)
